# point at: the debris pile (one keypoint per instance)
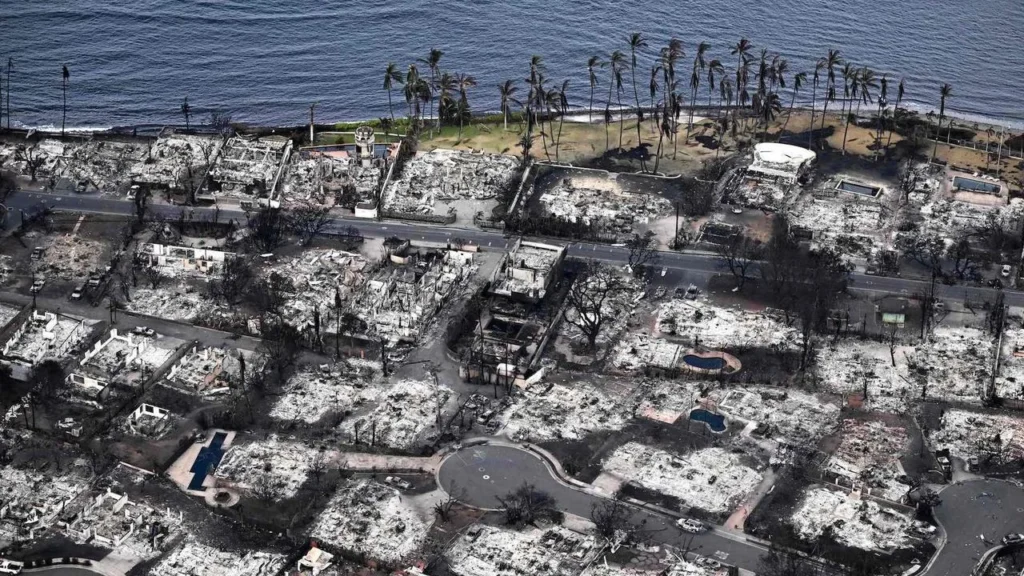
(955, 364)
(403, 415)
(249, 165)
(209, 371)
(286, 464)
(850, 520)
(449, 177)
(490, 551)
(713, 479)
(788, 414)
(364, 517)
(868, 453)
(1010, 379)
(975, 435)
(564, 412)
(311, 394)
(31, 501)
(670, 400)
(318, 278)
(711, 326)
(172, 156)
(193, 557)
(638, 351)
(45, 335)
(328, 178)
(850, 366)
(46, 155)
(832, 218)
(181, 303)
(602, 201)
(71, 257)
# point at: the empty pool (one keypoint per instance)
(704, 362)
(855, 188)
(714, 422)
(972, 185)
(207, 459)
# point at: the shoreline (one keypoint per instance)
(575, 115)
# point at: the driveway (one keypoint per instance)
(976, 515)
(478, 475)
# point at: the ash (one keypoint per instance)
(564, 412)
(365, 517)
(446, 177)
(852, 521)
(402, 417)
(194, 558)
(973, 434)
(311, 394)
(712, 479)
(285, 463)
(491, 551)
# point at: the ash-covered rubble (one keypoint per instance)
(285, 464)
(851, 520)
(868, 454)
(403, 417)
(328, 178)
(313, 393)
(365, 517)
(967, 434)
(602, 202)
(196, 558)
(171, 157)
(250, 166)
(565, 412)
(492, 551)
(447, 176)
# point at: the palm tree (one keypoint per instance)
(10, 66)
(830, 62)
(464, 82)
(412, 79)
(617, 63)
(652, 87)
(186, 111)
(507, 91)
(883, 96)
(446, 105)
(433, 61)
(798, 83)
(636, 42)
(714, 67)
(699, 65)
(65, 77)
(990, 133)
(768, 108)
(900, 90)
(391, 75)
(560, 103)
(864, 82)
(814, 97)
(536, 75)
(724, 93)
(945, 91)
(592, 63)
(742, 51)
(849, 78)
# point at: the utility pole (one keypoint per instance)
(675, 239)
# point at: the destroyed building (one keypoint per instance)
(127, 359)
(31, 501)
(491, 551)
(527, 271)
(193, 557)
(329, 177)
(87, 164)
(250, 166)
(851, 520)
(311, 394)
(284, 464)
(175, 158)
(208, 371)
(44, 335)
(608, 202)
(177, 260)
(772, 177)
(443, 181)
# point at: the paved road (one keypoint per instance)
(973, 510)
(695, 262)
(482, 473)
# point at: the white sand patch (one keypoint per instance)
(711, 479)
(370, 518)
(851, 521)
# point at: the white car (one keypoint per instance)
(1006, 270)
(690, 525)
(398, 483)
(144, 331)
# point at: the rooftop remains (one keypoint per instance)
(313, 393)
(328, 177)
(852, 521)
(712, 479)
(171, 157)
(207, 371)
(31, 501)
(491, 551)
(45, 335)
(527, 270)
(598, 198)
(790, 415)
(285, 463)
(447, 177)
(193, 557)
(868, 454)
(365, 517)
(974, 434)
(565, 412)
(402, 417)
(248, 163)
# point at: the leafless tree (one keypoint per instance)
(267, 229)
(642, 251)
(443, 508)
(738, 255)
(307, 221)
(191, 176)
(893, 338)
(588, 297)
(526, 504)
(280, 349)
(8, 184)
(32, 158)
(318, 466)
(611, 519)
(221, 122)
(264, 489)
(235, 279)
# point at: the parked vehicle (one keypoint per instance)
(398, 483)
(144, 331)
(76, 294)
(1013, 538)
(690, 525)
(37, 286)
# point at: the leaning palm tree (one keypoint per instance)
(849, 74)
(507, 91)
(768, 108)
(724, 93)
(829, 63)
(883, 101)
(742, 52)
(593, 63)
(814, 98)
(616, 63)
(652, 87)
(433, 62)
(636, 42)
(699, 65)
(864, 82)
(900, 91)
(391, 75)
(945, 91)
(714, 67)
(65, 76)
(536, 75)
(798, 82)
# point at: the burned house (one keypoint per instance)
(527, 271)
(174, 260)
(250, 166)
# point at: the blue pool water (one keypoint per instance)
(208, 458)
(975, 185)
(716, 422)
(704, 363)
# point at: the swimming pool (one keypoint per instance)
(207, 459)
(704, 362)
(972, 185)
(714, 422)
(856, 188)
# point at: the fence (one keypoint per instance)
(416, 217)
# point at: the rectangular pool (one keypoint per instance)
(972, 185)
(855, 188)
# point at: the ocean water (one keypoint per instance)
(265, 62)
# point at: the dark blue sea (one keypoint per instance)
(265, 62)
